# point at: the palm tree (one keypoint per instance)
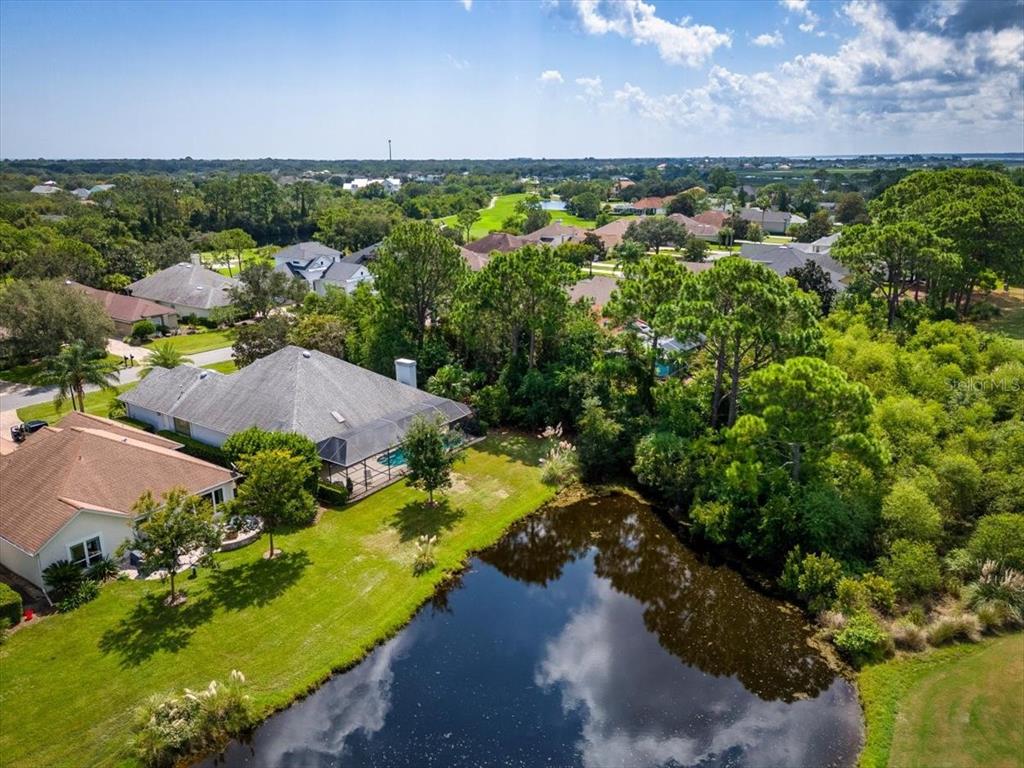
(75, 366)
(164, 355)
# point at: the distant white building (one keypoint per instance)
(46, 188)
(390, 184)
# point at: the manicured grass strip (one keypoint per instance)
(226, 366)
(959, 706)
(69, 685)
(190, 344)
(96, 403)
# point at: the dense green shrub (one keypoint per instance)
(142, 330)
(87, 591)
(10, 605)
(198, 450)
(170, 729)
(813, 578)
(1000, 538)
(908, 513)
(254, 440)
(863, 640)
(912, 567)
(62, 579)
(332, 494)
(103, 570)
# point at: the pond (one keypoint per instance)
(552, 205)
(588, 636)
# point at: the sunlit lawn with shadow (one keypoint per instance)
(68, 687)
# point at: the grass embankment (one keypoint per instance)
(26, 374)
(340, 587)
(960, 706)
(96, 403)
(190, 344)
(226, 366)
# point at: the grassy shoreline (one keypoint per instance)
(343, 586)
(924, 709)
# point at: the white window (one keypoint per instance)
(216, 496)
(85, 553)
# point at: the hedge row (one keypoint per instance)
(198, 450)
(10, 604)
(335, 495)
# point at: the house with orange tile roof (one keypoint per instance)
(68, 491)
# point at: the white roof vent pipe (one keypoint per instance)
(405, 371)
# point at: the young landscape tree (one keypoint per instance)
(274, 491)
(233, 241)
(72, 369)
(262, 288)
(427, 455)
(656, 232)
(466, 218)
(173, 528)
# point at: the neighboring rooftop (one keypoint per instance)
(715, 219)
(121, 308)
(694, 227)
(782, 258)
(475, 261)
(59, 471)
(351, 413)
(497, 241)
(186, 284)
(598, 289)
(556, 232)
(309, 260)
(613, 232)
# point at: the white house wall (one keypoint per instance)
(111, 529)
(156, 420)
(208, 436)
(21, 563)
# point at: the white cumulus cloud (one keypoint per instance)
(802, 8)
(467, 4)
(769, 40)
(592, 87)
(551, 76)
(884, 79)
(679, 42)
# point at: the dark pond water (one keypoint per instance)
(589, 636)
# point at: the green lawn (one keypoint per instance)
(778, 239)
(219, 260)
(227, 366)
(96, 403)
(26, 374)
(189, 344)
(492, 218)
(1011, 318)
(340, 587)
(960, 707)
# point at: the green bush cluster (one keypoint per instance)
(197, 449)
(863, 640)
(332, 494)
(10, 604)
(171, 729)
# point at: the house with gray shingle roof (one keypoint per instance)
(343, 275)
(309, 260)
(782, 258)
(357, 418)
(188, 288)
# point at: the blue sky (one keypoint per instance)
(504, 79)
